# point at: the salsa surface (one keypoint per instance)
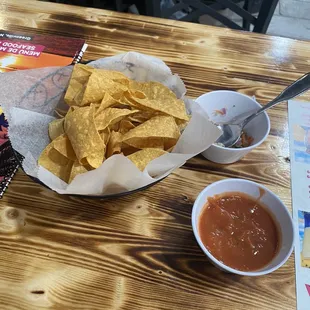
(238, 231)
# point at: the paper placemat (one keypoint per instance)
(299, 128)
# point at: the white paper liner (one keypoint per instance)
(30, 97)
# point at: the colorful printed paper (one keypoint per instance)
(299, 123)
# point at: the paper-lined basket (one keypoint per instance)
(31, 97)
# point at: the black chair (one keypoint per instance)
(196, 8)
(118, 5)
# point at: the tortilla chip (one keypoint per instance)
(96, 159)
(106, 102)
(128, 149)
(158, 98)
(56, 128)
(77, 168)
(96, 106)
(76, 88)
(101, 82)
(55, 162)
(115, 144)
(81, 73)
(63, 145)
(82, 132)
(158, 132)
(181, 124)
(136, 93)
(125, 125)
(122, 98)
(142, 116)
(151, 142)
(114, 75)
(105, 135)
(111, 116)
(71, 109)
(143, 157)
(114, 127)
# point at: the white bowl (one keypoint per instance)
(224, 105)
(270, 201)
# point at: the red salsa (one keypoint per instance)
(244, 141)
(238, 231)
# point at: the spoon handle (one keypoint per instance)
(295, 89)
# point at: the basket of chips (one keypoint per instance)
(114, 126)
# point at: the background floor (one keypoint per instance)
(291, 19)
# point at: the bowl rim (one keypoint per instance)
(258, 104)
(218, 263)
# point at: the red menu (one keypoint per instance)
(20, 51)
(23, 51)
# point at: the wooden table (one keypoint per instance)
(139, 252)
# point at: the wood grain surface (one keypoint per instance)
(139, 252)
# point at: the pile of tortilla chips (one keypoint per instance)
(111, 114)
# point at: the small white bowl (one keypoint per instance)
(270, 201)
(223, 106)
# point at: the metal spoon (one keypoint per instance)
(233, 130)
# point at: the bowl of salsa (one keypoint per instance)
(243, 227)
